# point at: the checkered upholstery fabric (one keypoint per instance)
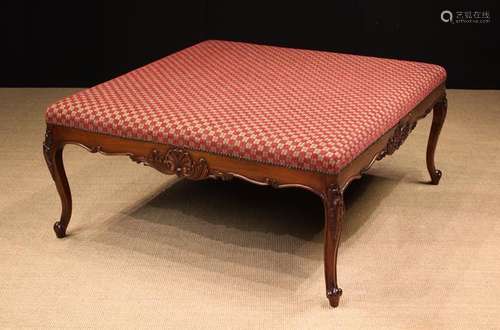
(303, 109)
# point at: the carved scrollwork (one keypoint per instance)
(47, 143)
(272, 182)
(400, 134)
(95, 149)
(47, 148)
(179, 162)
(229, 176)
(222, 176)
(137, 159)
(336, 195)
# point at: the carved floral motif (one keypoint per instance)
(178, 161)
(400, 134)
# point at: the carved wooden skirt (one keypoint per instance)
(269, 115)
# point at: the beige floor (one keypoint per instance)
(148, 251)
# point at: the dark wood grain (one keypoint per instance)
(439, 115)
(198, 165)
(334, 212)
(53, 154)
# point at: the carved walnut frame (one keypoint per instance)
(197, 165)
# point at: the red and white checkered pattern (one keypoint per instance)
(303, 109)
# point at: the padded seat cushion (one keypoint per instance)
(303, 109)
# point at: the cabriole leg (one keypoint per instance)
(334, 211)
(438, 117)
(53, 156)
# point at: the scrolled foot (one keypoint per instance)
(435, 177)
(333, 296)
(59, 230)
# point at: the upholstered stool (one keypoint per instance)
(270, 115)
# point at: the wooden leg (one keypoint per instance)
(334, 211)
(53, 156)
(438, 117)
